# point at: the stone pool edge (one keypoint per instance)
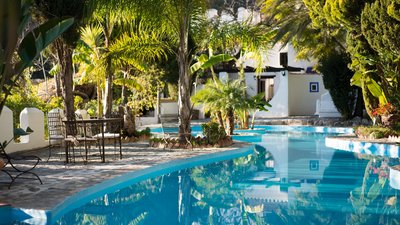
(352, 144)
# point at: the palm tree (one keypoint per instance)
(132, 45)
(93, 39)
(177, 17)
(241, 39)
(292, 22)
(222, 99)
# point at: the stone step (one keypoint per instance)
(169, 118)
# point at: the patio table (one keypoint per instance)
(102, 122)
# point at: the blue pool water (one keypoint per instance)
(289, 178)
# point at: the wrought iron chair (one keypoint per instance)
(113, 131)
(56, 129)
(75, 135)
(18, 166)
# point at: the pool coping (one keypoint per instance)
(353, 144)
(121, 181)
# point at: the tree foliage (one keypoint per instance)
(20, 45)
(294, 21)
(382, 31)
(335, 71)
(370, 28)
(64, 46)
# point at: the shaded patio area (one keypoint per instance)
(61, 180)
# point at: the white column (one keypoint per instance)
(33, 118)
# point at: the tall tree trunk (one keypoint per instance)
(230, 116)
(220, 119)
(108, 95)
(64, 52)
(99, 97)
(184, 82)
(245, 122)
(129, 121)
(108, 98)
(124, 93)
(57, 79)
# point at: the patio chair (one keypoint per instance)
(113, 131)
(75, 135)
(19, 166)
(56, 129)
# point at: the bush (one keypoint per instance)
(91, 107)
(145, 132)
(78, 102)
(375, 132)
(55, 102)
(213, 132)
(336, 78)
(17, 103)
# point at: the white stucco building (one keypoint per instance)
(292, 89)
(290, 85)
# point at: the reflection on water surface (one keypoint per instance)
(291, 178)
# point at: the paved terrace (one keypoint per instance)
(62, 180)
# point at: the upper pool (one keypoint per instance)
(289, 177)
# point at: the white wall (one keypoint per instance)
(169, 108)
(280, 101)
(29, 117)
(292, 61)
(251, 83)
(144, 121)
(301, 100)
(272, 58)
(6, 121)
(325, 107)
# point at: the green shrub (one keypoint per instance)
(336, 78)
(17, 103)
(78, 102)
(55, 102)
(145, 132)
(375, 132)
(213, 132)
(91, 107)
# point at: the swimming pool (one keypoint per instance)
(290, 177)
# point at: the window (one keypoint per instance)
(314, 87)
(314, 165)
(283, 59)
(266, 85)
